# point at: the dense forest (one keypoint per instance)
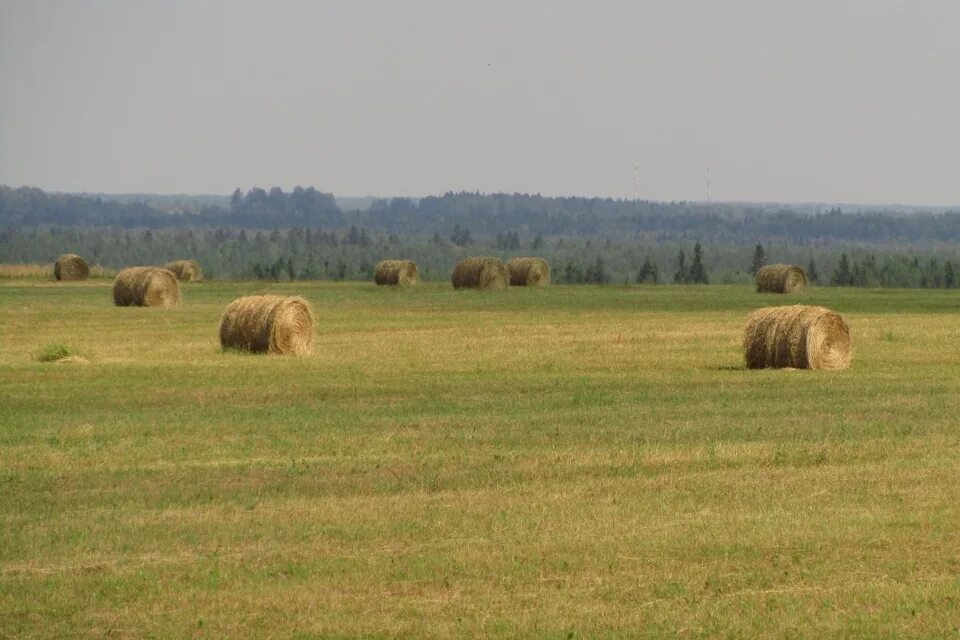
(485, 215)
(304, 233)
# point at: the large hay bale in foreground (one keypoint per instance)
(781, 278)
(528, 272)
(798, 336)
(70, 266)
(396, 272)
(480, 273)
(268, 324)
(146, 287)
(185, 270)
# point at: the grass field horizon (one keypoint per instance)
(571, 461)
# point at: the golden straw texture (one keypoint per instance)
(528, 272)
(480, 273)
(146, 287)
(70, 266)
(781, 278)
(798, 336)
(185, 270)
(396, 272)
(268, 324)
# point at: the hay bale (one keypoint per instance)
(528, 272)
(781, 278)
(268, 324)
(799, 336)
(70, 266)
(185, 270)
(480, 273)
(146, 287)
(396, 272)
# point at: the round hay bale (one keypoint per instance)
(396, 272)
(781, 278)
(798, 336)
(185, 270)
(268, 324)
(528, 272)
(70, 266)
(146, 287)
(480, 273)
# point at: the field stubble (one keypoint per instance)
(594, 461)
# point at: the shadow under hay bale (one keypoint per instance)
(480, 273)
(396, 272)
(146, 287)
(268, 324)
(185, 270)
(70, 266)
(781, 278)
(528, 272)
(798, 336)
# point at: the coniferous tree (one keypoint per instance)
(759, 259)
(812, 274)
(598, 272)
(682, 275)
(648, 273)
(698, 274)
(842, 275)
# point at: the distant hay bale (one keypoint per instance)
(528, 272)
(798, 336)
(480, 273)
(396, 272)
(70, 266)
(268, 324)
(146, 287)
(185, 270)
(781, 278)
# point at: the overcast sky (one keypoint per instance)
(820, 100)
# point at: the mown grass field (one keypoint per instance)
(568, 462)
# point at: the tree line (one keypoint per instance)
(464, 217)
(352, 253)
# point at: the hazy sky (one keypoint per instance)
(825, 100)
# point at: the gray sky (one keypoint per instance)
(820, 100)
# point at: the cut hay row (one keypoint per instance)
(396, 272)
(798, 336)
(528, 272)
(185, 270)
(781, 278)
(70, 266)
(480, 273)
(146, 287)
(268, 324)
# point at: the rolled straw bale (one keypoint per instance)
(781, 278)
(528, 272)
(146, 287)
(480, 273)
(268, 324)
(70, 266)
(399, 272)
(798, 336)
(185, 270)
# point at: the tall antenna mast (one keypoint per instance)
(709, 186)
(636, 180)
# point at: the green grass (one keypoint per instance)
(566, 462)
(53, 352)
